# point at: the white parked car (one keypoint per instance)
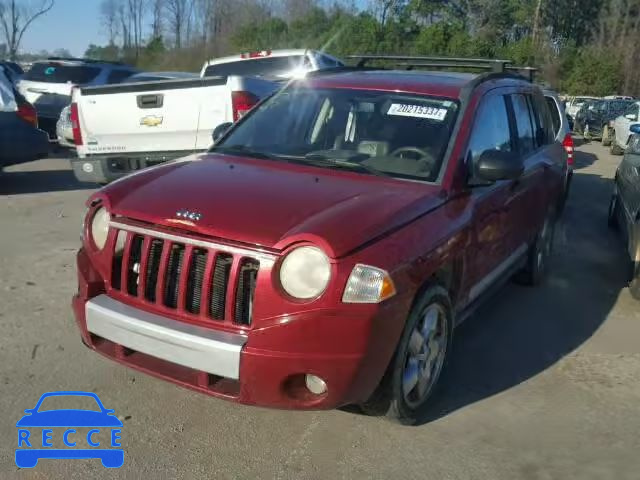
(575, 103)
(122, 128)
(622, 128)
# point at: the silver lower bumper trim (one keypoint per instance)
(188, 345)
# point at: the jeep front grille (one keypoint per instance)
(193, 277)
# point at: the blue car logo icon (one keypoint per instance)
(32, 447)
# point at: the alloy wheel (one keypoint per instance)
(425, 355)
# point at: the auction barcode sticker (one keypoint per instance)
(418, 111)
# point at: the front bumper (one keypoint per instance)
(240, 366)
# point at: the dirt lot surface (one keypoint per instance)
(544, 384)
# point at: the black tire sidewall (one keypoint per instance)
(398, 408)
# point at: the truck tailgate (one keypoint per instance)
(148, 117)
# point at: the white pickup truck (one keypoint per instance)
(121, 128)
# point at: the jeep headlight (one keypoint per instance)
(305, 273)
(100, 227)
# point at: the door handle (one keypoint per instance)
(150, 101)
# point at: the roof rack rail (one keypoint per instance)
(411, 62)
(85, 60)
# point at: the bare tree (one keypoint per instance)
(157, 8)
(109, 19)
(15, 19)
(136, 10)
(177, 11)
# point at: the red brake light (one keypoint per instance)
(75, 124)
(241, 103)
(567, 143)
(27, 113)
(262, 53)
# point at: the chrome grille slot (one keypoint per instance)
(153, 267)
(172, 278)
(133, 267)
(195, 280)
(219, 284)
(247, 276)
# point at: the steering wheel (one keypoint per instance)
(399, 151)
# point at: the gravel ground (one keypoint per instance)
(545, 383)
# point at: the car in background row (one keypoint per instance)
(123, 128)
(562, 129)
(284, 64)
(48, 84)
(323, 251)
(624, 209)
(574, 104)
(20, 138)
(622, 128)
(595, 119)
(12, 70)
(157, 76)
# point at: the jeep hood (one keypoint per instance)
(271, 204)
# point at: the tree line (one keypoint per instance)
(579, 46)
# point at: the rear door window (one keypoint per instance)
(491, 128)
(556, 121)
(51, 72)
(525, 138)
(544, 134)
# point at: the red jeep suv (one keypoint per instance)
(325, 248)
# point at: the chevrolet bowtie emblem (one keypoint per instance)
(151, 120)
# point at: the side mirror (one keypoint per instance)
(635, 128)
(220, 130)
(494, 165)
(631, 116)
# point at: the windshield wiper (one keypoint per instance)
(243, 150)
(326, 161)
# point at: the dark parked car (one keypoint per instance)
(20, 138)
(594, 118)
(48, 84)
(624, 210)
(324, 250)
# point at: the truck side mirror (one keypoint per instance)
(219, 131)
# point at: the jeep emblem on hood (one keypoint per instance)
(187, 215)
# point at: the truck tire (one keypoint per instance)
(538, 257)
(615, 148)
(421, 357)
(606, 138)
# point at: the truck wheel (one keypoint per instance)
(606, 138)
(420, 359)
(539, 253)
(615, 148)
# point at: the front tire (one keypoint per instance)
(615, 148)
(420, 359)
(606, 136)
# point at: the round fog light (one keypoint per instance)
(87, 167)
(315, 384)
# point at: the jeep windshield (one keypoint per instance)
(370, 132)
